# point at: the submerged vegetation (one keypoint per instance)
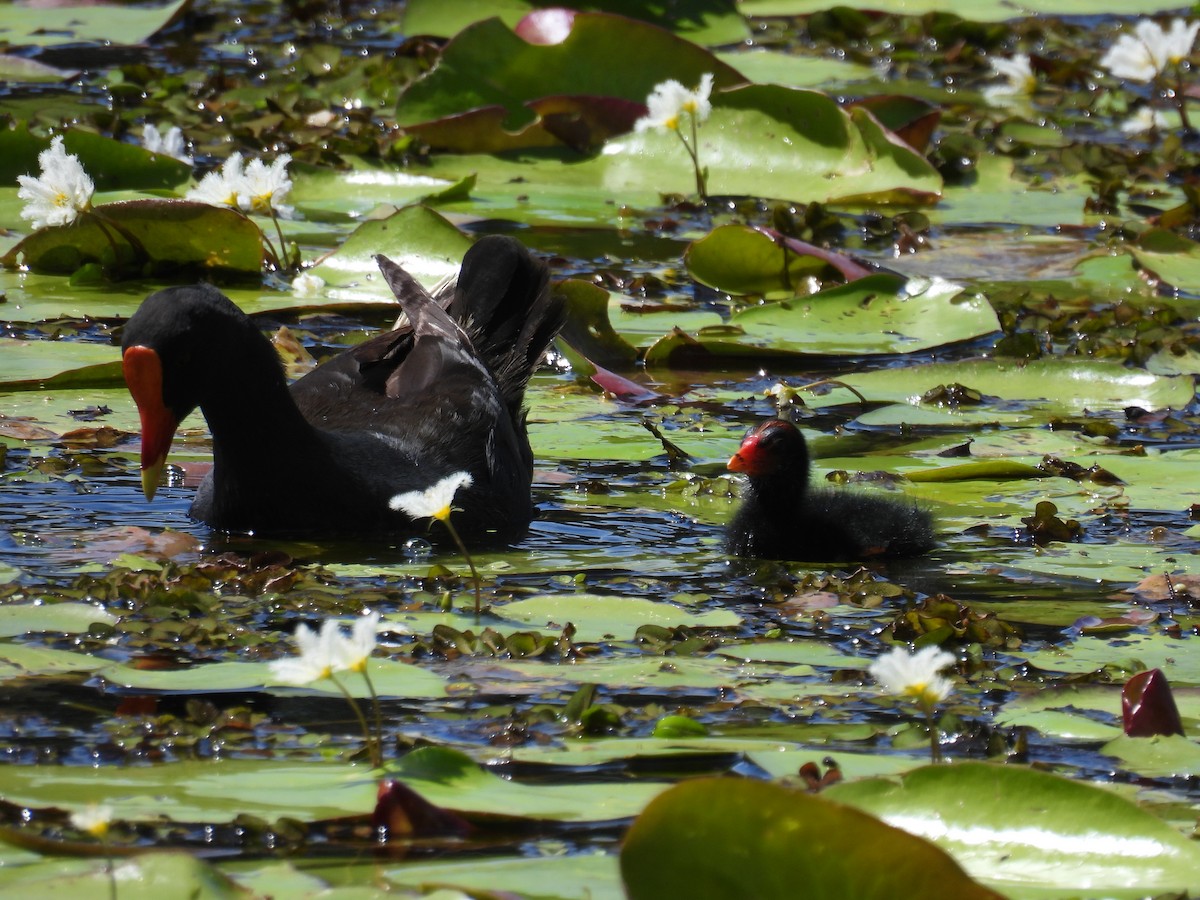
(961, 254)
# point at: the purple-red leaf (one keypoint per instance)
(403, 813)
(1148, 706)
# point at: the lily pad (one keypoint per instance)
(809, 148)
(879, 314)
(84, 23)
(597, 617)
(164, 233)
(416, 238)
(983, 11)
(65, 618)
(708, 24)
(716, 838)
(504, 110)
(1022, 830)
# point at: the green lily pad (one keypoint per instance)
(1029, 832)
(113, 165)
(811, 148)
(85, 23)
(65, 618)
(19, 660)
(878, 314)
(171, 233)
(1161, 756)
(26, 365)
(418, 239)
(1056, 385)
(597, 617)
(1170, 257)
(742, 260)
(714, 838)
(592, 876)
(984, 11)
(450, 779)
(202, 791)
(390, 678)
(1150, 651)
(144, 877)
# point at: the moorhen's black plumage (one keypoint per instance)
(440, 395)
(782, 517)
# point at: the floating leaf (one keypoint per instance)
(881, 313)
(101, 23)
(729, 837)
(1011, 825)
(597, 617)
(531, 84)
(709, 24)
(744, 260)
(416, 238)
(812, 148)
(173, 234)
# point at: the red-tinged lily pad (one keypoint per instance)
(402, 813)
(1148, 706)
(1127, 621)
(576, 122)
(731, 838)
(569, 80)
(151, 236)
(712, 23)
(911, 119)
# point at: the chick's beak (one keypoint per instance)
(143, 375)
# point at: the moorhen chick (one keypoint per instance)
(782, 517)
(441, 394)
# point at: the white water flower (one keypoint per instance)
(265, 188)
(670, 100)
(170, 144)
(353, 652)
(222, 187)
(60, 193)
(914, 675)
(317, 659)
(433, 502)
(93, 818)
(307, 284)
(1145, 54)
(328, 651)
(1145, 119)
(1018, 75)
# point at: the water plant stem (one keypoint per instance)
(462, 548)
(373, 744)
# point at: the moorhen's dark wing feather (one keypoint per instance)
(439, 395)
(781, 517)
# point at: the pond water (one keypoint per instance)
(761, 654)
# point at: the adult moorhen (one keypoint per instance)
(782, 517)
(439, 395)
